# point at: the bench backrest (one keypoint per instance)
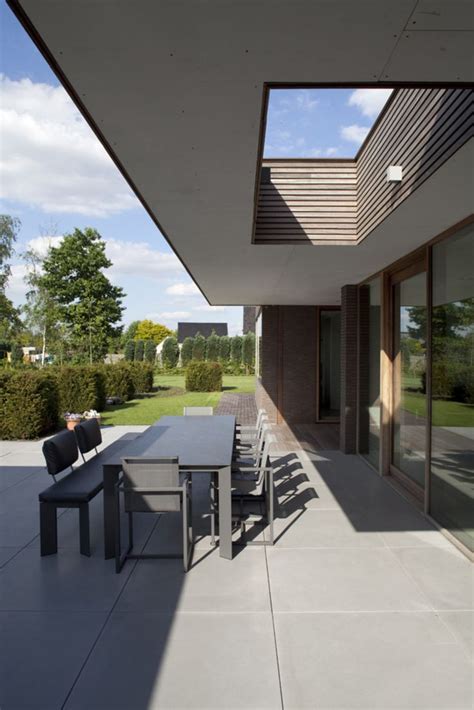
(88, 435)
(198, 411)
(159, 473)
(60, 452)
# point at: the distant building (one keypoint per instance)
(249, 319)
(189, 330)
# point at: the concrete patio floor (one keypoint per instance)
(361, 603)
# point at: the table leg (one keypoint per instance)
(110, 479)
(225, 513)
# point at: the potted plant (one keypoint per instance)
(91, 414)
(72, 419)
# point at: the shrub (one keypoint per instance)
(17, 355)
(236, 349)
(199, 347)
(170, 353)
(203, 377)
(28, 404)
(119, 380)
(129, 351)
(212, 347)
(248, 352)
(142, 376)
(150, 351)
(139, 350)
(80, 387)
(187, 351)
(224, 349)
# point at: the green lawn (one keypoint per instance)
(445, 412)
(170, 398)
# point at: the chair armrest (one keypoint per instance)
(254, 469)
(154, 491)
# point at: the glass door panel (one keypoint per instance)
(452, 386)
(409, 377)
(329, 364)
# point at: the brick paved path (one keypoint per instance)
(242, 405)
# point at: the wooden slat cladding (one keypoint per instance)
(308, 201)
(421, 130)
(342, 201)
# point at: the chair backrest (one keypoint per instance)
(156, 473)
(88, 435)
(262, 437)
(261, 415)
(270, 439)
(198, 411)
(60, 452)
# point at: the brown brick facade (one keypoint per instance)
(349, 374)
(287, 387)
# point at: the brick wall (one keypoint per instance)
(287, 387)
(348, 426)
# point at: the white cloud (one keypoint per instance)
(304, 100)
(369, 101)
(41, 245)
(183, 289)
(315, 152)
(330, 152)
(140, 259)
(16, 287)
(206, 308)
(354, 133)
(173, 315)
(51, 159)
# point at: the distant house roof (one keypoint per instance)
(189, 330)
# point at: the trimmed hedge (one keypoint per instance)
(81, 388)
(28, 404)
(142, 376)
(202, 376)
(119, 380)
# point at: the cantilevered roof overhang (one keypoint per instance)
(175, 89)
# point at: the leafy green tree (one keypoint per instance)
(187, 351)
(170, 353)
(199, 347)
(224, 348)
(88, 303)
(10, 322)
(236, 349)
(129, 351)
(212, 347)
(17, 354)
(41, 311)
(248, 351)
(148, 330)
(139, 350)
(150, 351)
(130, 332)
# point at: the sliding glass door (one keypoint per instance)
(452, 386)
(409, 425)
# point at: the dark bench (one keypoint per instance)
(76, 489)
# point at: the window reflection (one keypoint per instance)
(369, 371)
(452, 432)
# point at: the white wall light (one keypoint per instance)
(394, 173)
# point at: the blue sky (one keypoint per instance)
(56, 176)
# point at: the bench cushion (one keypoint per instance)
(84, 482)
(88, 435)
(60, 452)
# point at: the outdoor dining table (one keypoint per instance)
(202, 444)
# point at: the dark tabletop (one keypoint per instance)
(197, 441)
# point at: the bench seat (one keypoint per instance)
(75, 490)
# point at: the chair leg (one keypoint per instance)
(213, 509)
(48, 529)
(185, 509)
(84, 529)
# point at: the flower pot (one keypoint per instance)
(71, 423)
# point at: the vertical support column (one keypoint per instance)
(349, 374)
(363, 370)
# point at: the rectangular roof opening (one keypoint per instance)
(320, 122)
